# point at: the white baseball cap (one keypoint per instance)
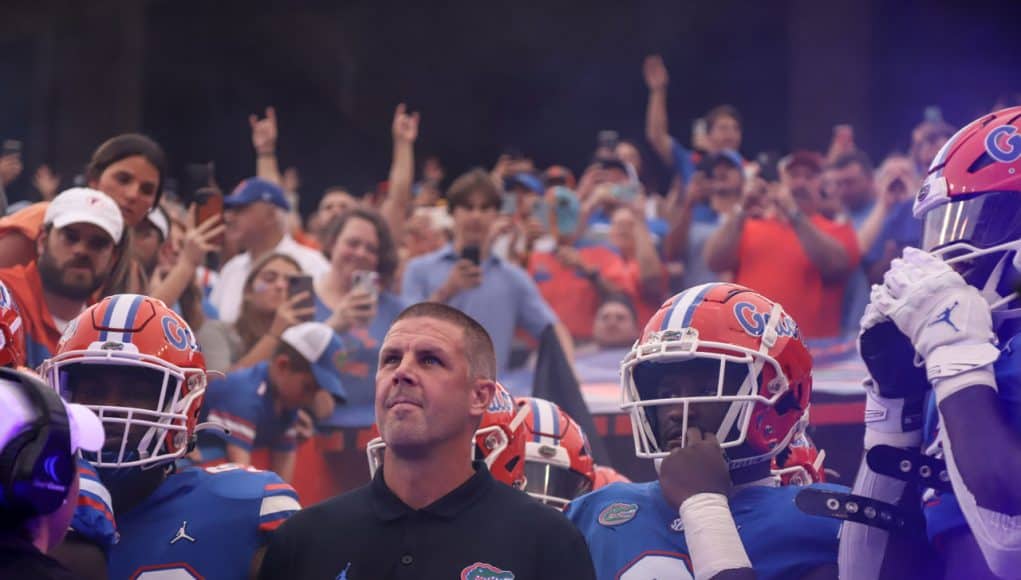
(18, 412)
(321, 347)
(83, 205)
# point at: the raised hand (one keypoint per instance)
(202, 239)
(46, 182)
(264, 132)
(656, 76)
(405, 126)
(290, 314)
(356, 309)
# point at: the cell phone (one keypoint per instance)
(471, 253)
(768, 166)
(298, 284)
(366, 280)
(608, 138)
(198, 176)
(208, 204)
(11, 147)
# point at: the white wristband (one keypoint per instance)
(711, 534)
(884, 423)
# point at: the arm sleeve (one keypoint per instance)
(279, 502)
(93, 517)
(683, 162)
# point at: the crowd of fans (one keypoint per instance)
(525, 250)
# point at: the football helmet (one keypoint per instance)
(12, 332)
(558, 460)
(498, 441)
(140, 332)
(971, 204)
(756, 345)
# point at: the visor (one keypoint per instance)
(981, 221)
(554, 485)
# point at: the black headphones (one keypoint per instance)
(37, 466)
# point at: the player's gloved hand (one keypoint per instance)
(700, 467)
(948, 321)
(890, 357)
(93, 518)
(895, 388)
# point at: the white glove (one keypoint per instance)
(947, 321)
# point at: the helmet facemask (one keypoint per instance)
(740, 374)
(154, 432)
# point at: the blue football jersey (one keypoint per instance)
(942, 513)
(634, 534)
(201, 523)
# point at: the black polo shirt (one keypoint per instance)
(481, 530)
(19, 558)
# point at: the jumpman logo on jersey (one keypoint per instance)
(945, 317)
(182, 534)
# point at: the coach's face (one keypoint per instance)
(425, 395)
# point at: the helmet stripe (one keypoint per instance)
(682, 313)
(543, 419)
(130, 321)
(119, 314)
(536, 421)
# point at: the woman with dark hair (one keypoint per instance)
(354, 299)
(129, 168)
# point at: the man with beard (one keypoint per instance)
(777, 243)
(81, 230)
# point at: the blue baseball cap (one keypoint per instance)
(256, 189)
(524, 180)
(727, 156)
(323, 350)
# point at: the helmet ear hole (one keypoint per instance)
(787, 402)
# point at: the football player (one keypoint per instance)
(136, 364)
(940, 339)
(558, 461)
(716, 386)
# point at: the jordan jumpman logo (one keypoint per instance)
(182, 534)
(945, 317)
